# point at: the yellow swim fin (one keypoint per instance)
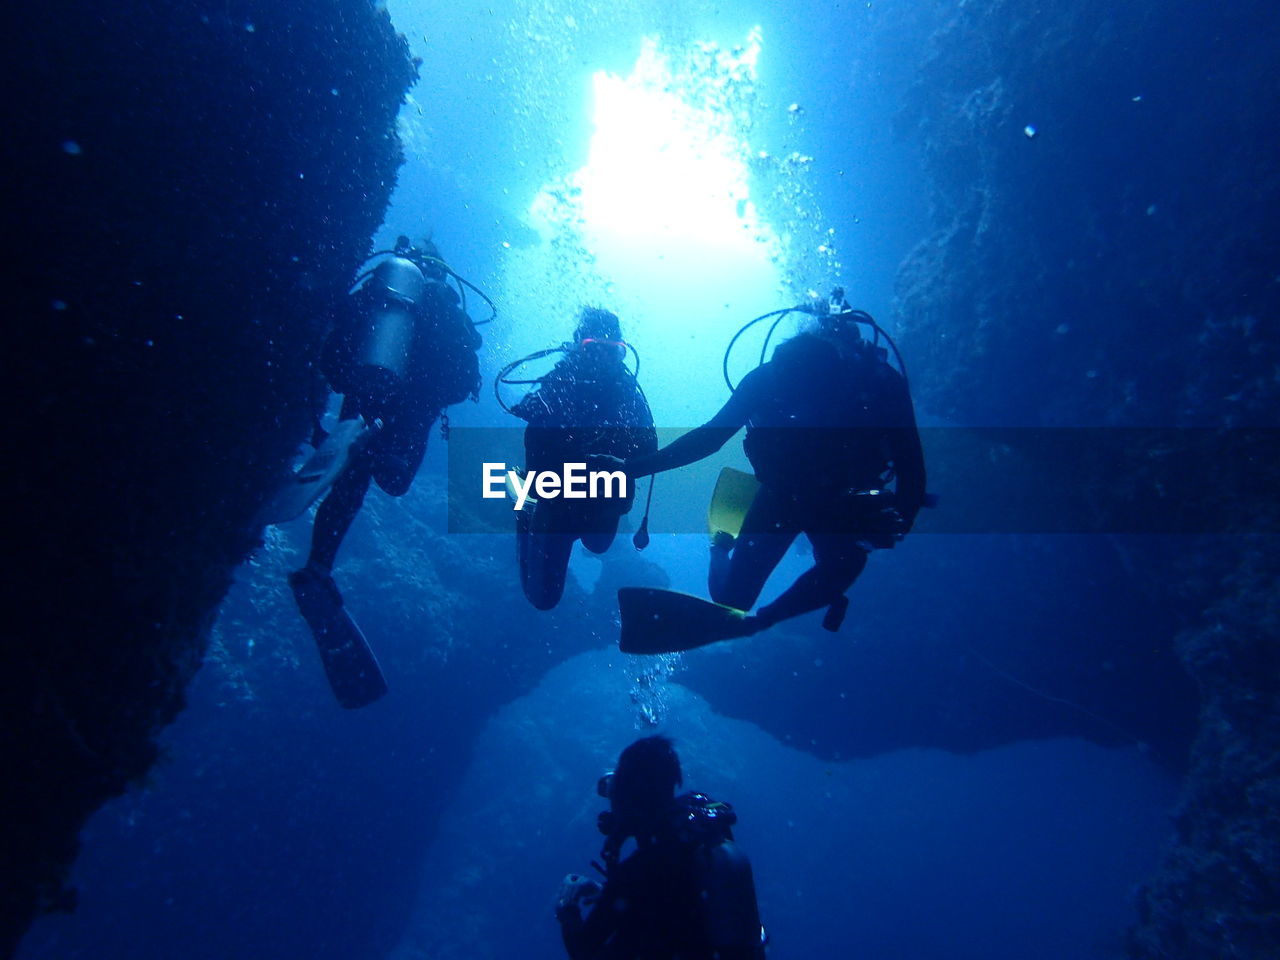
(730, 502)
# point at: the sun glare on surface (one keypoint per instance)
(659, 223)
(666, 161)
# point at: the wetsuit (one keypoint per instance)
(823, 428)
(685, 893)
(442, 370)
(588, 405)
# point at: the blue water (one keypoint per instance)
(968, 814)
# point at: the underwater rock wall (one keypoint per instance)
(968, 644)
(1105, 201)
(195, 185)
(1217, 893)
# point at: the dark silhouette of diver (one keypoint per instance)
(588, 405)
(685, 892)
(829, 424)
(400, 353)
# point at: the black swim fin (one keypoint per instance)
(666, 621)
(349, 663)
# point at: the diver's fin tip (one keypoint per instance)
(667, 621)
(349, 664)
(732, 498)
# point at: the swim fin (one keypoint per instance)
(666, 621)
(315, 476)
(349, 663)
(730, 502)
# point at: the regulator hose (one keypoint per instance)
(846, 314)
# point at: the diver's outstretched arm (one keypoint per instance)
(703, 441)
(695, 445)
(585, 937)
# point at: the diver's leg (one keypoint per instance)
(721, 561)
(337, 511)
(545, 568)
(545, 561)
(522, 538)
(602, 530)
(838, 561)
(398, 451)
(767, 531)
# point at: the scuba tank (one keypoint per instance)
(370, 352)
(721, 874)
(382, 341)
(731, 917)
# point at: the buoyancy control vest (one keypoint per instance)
(581, 409)
(822, 418)
(712, 877)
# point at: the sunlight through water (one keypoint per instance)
(659, 222)
(667, 162)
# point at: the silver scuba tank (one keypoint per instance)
(731, 917)
(383, 354)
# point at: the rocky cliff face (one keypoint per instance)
(1105, 200)
(194, 186)
(1217, 894)
(1103, 197)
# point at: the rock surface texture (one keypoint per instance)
(194, 186)
(1104, 203)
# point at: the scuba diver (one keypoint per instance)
(590, 404)
(830, 424)
(686, 891)
(401, 351)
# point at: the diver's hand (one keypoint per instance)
(895, 522)
(603, 461)
(906, 520)
(575, 891)
(888, 515)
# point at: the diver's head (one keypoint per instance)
(841, 326)
(424, 254)
(596, 323)
(645, 780)
(599, 334)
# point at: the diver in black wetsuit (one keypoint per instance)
(589, 405)
(828, 422)
(401, 353)
(685, 892)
